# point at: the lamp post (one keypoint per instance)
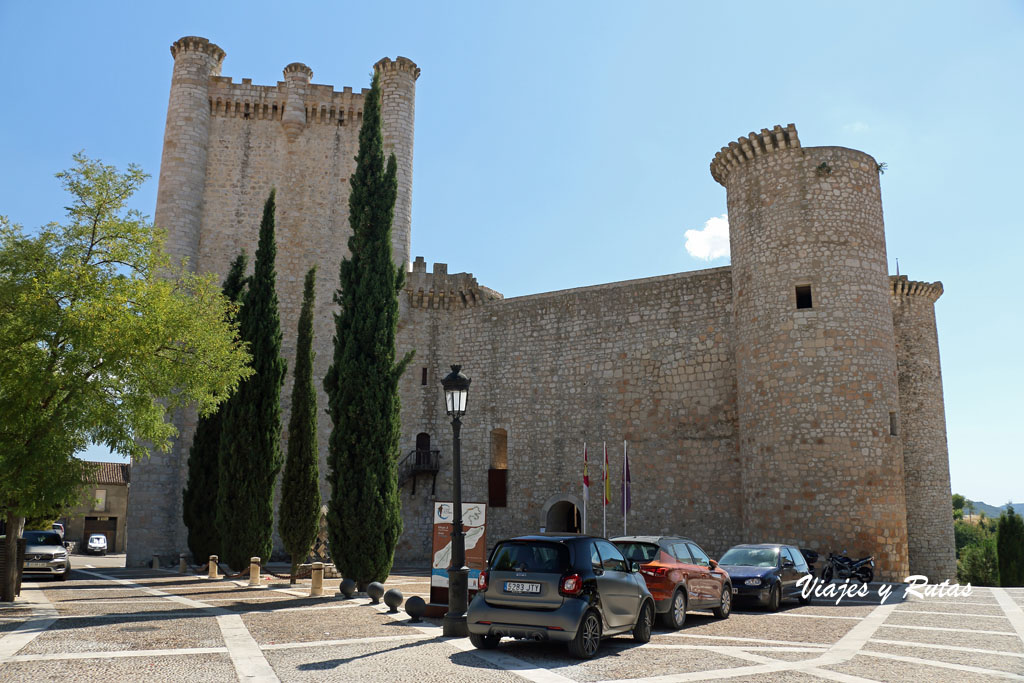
(456, 391)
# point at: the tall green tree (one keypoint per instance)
(298, 517)
(250, 439)
(1010, 548)
(101, 337)
(199, 508)
(364, 516)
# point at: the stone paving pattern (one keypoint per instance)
(297, 638)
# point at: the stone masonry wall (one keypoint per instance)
(227, 144)
(815, 385)
(648, 361)
(922, 428)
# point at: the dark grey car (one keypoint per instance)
(563, 587)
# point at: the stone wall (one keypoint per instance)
(922, 428)
(648, 361)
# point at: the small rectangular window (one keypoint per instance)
(803, 296)
(100, 500)
(894, 424)
(424, 380)
(497, 488)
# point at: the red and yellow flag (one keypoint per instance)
(607, 479)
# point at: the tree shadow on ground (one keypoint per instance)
(328, 664)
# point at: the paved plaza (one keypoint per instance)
(115, 624)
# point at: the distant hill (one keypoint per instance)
(992, 510)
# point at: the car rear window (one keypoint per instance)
(636, 551)
(530, 556)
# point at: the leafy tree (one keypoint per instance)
(250, 440)
(298, 517)
(969, 506)
(967, 534)
(978, 564)
(1010, 548)
(958, 502)
(101, 336)
(199, 508)
(364, 518)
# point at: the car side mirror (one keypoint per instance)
(634, 566)
(712, 564)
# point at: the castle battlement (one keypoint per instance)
(902, 286)
(197, 44)
(754, 145)
(439, 290)
(323, 104)
(403, 64)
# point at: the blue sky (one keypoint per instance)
(566, 144)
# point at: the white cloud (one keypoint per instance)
(710, 242)
(856, 127)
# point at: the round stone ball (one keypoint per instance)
(347, 588)
(375, 590)
(415, 607)
(393, 599)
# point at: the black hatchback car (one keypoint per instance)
(766, 573)
(559, 587)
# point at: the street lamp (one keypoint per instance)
(456, 392)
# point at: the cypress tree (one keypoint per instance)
(200, 495)
(364, 515)
(298, 518)
(250, 442)
(1010, 548)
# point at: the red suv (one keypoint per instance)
(680, 576)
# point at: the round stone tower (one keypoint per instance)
(179, 202)
(820, 458)
(397, 113)
(923, 429)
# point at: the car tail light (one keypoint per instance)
(481, 583)
(571, 585)
(654, 571)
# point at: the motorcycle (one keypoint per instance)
(842, 567)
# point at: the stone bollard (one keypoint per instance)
(212, 573)
(182, 565)
(156, 561)
(316, 586)
(254, 571)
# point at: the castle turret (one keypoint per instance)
(296, 77)
(398, 108)
(179, 202)
(815, 349)
(923, 429)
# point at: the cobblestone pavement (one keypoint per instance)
(153, 625)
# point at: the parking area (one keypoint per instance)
(131, 624)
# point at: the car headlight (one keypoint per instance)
(61, 555)
(752, 582)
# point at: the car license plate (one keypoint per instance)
(36, 565)
(521, 587)
(735, 590)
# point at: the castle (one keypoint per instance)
(794, 396)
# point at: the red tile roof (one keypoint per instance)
(112, 472)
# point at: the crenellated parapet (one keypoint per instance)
(439, 290)
(403, 64)
(901, 286)
(751, 146)
(323, 104)
(197, 44)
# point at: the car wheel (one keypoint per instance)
(675, 617)
(775, 599)
(644, 622)
(725, 604)
(482, 642)
(588, 636)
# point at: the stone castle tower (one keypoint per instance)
(226, 145)
(794, 396)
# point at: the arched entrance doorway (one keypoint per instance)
(564, 516)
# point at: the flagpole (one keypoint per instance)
(625, 510)
(604, 491)
(586, 488)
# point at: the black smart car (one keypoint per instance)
(766, 573)
(563, 587)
